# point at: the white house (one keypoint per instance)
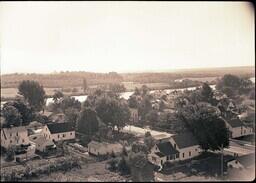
(14, 136)
(163, 152)
(59, 131)
(237, 128)
(242, 162)
(103, 148)
(186, 144)
(178, 147)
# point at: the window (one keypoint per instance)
(23, 140)
(174, 146)
(17, 134)
(183, 154)
(10, 141)
(167, 158)
(189, 153)
(244, 131)
(196, 149)
(71, 133)
(63, 135)
(177, 155)
(10, 134)
(58, 136)
(174, 157)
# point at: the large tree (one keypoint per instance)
(206, 93)
(57, 95)
(88, 122)
(12, 116)
(70, 102)
(33, 92)
(207, 126)
(113, 112)
(26, 112)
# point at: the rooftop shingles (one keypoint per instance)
(185, 140)
(60, 127)
(166, 148)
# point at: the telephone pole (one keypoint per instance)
(222, 161)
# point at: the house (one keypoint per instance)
(103, 148)
(14, 136)
(134, 115)
(163, 152)
(179, 147)
(237, 128)
(186, 144)
(42, 143)
(59, 131)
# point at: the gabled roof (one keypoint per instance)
(185, 140)
(166, 148)
(235, 122)
(60, 127)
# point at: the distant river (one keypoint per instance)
(126, 95)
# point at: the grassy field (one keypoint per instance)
(93, 172)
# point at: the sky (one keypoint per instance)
(43, 37)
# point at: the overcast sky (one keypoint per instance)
(124, 36)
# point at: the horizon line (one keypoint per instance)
(131, 72)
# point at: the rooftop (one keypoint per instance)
(140, 132)
(235, 122)
(60, 127)
(185, 140)
(166, 148)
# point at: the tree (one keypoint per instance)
(206, 93)
(209, 129)
(26, 112)
(113, 112)
(144, 107)
(12, 116)
(88, 122)
(33, 93)
(149, 141)
(152, 117)
(70, 102)
(117, 88)
(85, 86)
(132, 102)
(136, 91)
(71, 115)
(57, 95)
(144, 90)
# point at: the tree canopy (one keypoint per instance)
(33, 93)
(88, 122)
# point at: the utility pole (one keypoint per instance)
(222, 161)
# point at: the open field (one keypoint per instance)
(93, 172)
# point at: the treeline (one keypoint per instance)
(63, 79)
(192, 73)
(75, 79)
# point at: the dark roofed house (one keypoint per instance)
(186, 144)
(60, 131)
(163, 152)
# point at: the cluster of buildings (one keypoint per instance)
(36, 137)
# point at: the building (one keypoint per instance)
(134, 115)
(24, 152)
(14, 136)
(186, 144)
(103, 148)
(237, 128)
(178, 148)
(59, 131)
(42, 143)
(140, 133)
(163, 152)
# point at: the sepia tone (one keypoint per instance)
(127, 91)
